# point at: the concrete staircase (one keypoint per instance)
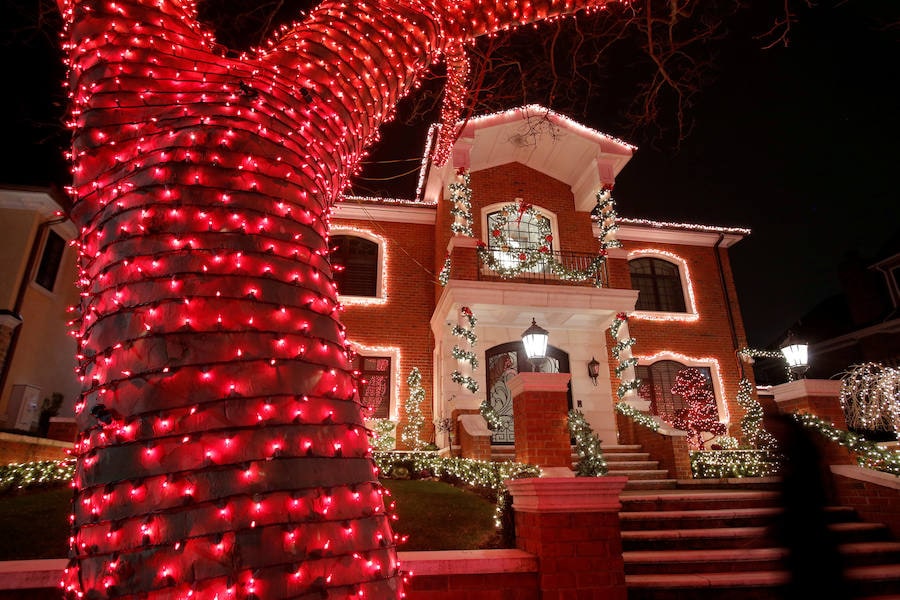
(631, 461)
(705, 540)
(704, 544)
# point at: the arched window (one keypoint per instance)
(657, 380)
(525, 233)
(355, 262)
(659, 284)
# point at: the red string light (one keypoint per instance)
(217, 410)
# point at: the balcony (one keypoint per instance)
(552, 268)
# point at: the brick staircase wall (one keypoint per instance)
(672, 451)
(874, 495)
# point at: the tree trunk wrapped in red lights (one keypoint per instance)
(221, 452)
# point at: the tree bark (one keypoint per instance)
(221, 450)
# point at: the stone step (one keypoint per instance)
(643, 474)
(862, 554)
(697, 519)
(618, 465)
(738, 537)
(694, 499)
(866, 583)
(682, 586)
(703, 561)
(617, 457)
(650, 484)
(695, 539)
(614, 448)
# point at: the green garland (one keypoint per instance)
(623, 363)
(637, 416)
(459, 354)
(868, 454)
(587, 445)
(461, 205)
(719, 464)
(33, 474)
(444, 275)
(412, 431)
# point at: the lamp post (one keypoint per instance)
(796, 354)
(535, 341)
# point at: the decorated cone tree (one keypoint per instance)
(221, 453)
(700, 415)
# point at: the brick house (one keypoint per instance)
(409, 274)
(37, 274)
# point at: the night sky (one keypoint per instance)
(797, 144)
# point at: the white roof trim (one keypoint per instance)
(397, 214)
(637, 233)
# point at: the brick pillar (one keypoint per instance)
(819, 397)
(572, 526)
(540, 420)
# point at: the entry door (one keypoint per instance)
(504, 362)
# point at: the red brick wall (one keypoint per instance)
(580, 553)
(541, 427)
(672, 452)
(480, 586)
(404, 321)
(874, 502)
(20, 449)
(707, 337)
(507, 182)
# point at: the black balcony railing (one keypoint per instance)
(555, 267)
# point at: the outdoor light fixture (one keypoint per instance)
(594, 370)
(796, 355)
(535, 341)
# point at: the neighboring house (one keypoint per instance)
(37, 275)
(860, 324)
(674, 281)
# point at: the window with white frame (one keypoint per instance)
(658, 379)
(355, 261)
(659, 283)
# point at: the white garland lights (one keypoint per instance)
(868, 454)
(621, 350)
(20, 476)
(587, 445)
(467, 333)
(481, 474)
(870, 397)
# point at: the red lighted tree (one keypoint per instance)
(221, 453)
(700, 415)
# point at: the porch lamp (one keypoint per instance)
(796, 355)
(594, 370)
(535, 341)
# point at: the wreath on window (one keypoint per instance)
(505, 258)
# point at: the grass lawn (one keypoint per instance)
(435, 515)
(438, 516)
